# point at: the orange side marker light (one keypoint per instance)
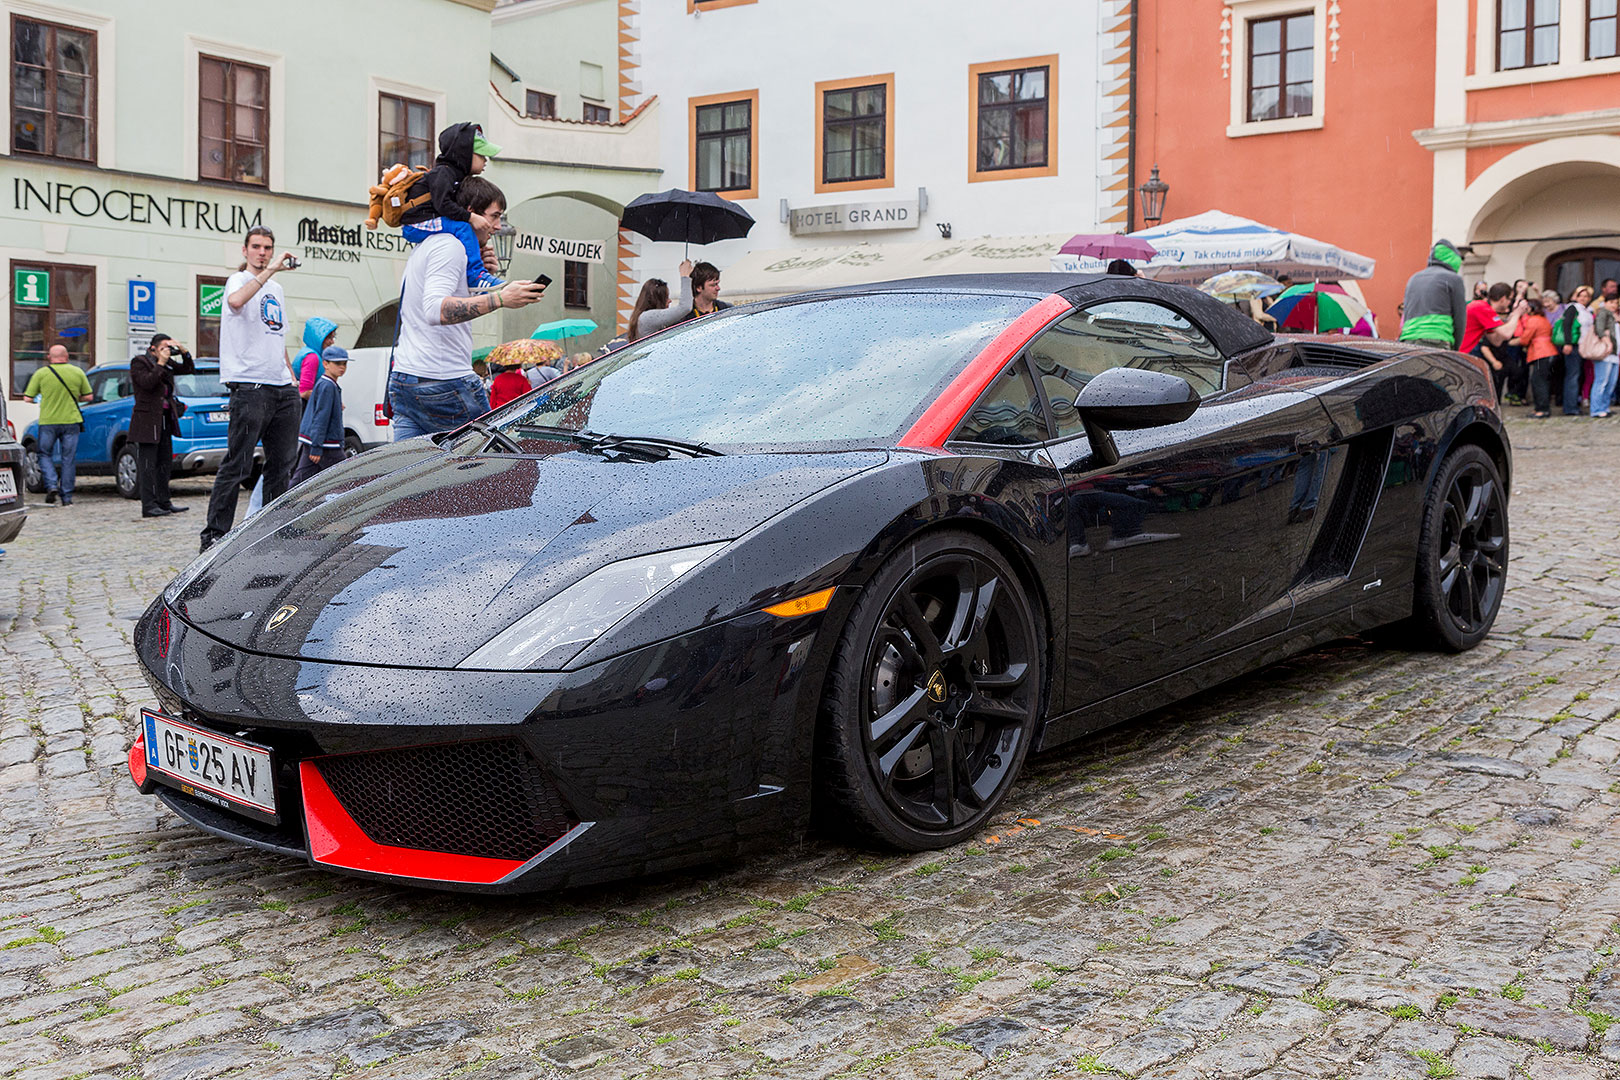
(803, 605)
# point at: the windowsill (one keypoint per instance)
(824, 187)
(1274, 127)
(735, 194)
(1573, 69)
(976, 175)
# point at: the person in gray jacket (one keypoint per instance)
(1436, 304)
(654, 312)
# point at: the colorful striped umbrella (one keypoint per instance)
(1316, 308)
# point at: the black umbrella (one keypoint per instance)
(688, 217)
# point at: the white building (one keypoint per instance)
(903, 122)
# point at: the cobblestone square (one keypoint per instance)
(1362, 863)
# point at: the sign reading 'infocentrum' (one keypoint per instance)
(136, 207)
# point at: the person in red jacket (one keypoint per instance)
(509, 383)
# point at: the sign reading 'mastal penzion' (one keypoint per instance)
(854, 217)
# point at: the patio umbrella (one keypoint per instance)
(1193, 248)
(687, 217)
(515, 353)
(1109, 246)
(1316, 308)
(1241, 285)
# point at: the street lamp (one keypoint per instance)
(502, 241)
(1153, 193)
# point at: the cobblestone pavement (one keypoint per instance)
(1363, 863)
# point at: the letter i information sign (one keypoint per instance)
(31, 288)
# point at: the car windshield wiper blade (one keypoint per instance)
(495, 437)
(643, 444)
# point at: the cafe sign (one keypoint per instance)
(854, 217)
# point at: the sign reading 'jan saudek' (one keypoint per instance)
(854, 217)
(555, 247)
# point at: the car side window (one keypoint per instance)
(98, 387)
(1008, 412)
(1120, 333)
(126, 385)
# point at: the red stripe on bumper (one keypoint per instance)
(936, 424)
(336, 840)
(137, 765)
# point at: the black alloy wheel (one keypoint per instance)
(935, 694)
(1462, 551)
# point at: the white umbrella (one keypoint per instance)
(1191, 249)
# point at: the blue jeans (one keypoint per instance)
(462, 231)
(1574, 368)
(1603, 377)
(427, 406)
(58, 441)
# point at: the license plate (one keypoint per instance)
(8, 484)
(214, 768)
(223, 416)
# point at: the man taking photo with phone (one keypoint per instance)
(432, 387)
(253, 366)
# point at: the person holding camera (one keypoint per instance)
(253, 365)
(155, 420)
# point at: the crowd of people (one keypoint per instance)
(1537, 345)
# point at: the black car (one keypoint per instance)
(849, 556)
(13, 464)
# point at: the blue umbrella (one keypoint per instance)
(562, 328)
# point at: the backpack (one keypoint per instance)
(390, 196)
(1566, 331)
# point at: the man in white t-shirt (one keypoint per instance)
(432, 387)
(253, 365)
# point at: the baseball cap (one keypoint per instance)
(335, 352)
(483, 146)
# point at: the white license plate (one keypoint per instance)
(221, 417)
(8, 483)
(216, 769)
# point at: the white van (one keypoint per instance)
(364, 425)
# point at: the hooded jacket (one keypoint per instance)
(315, 332)
(454, 164)
(1436, 304)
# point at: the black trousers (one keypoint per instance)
(154, 463)
(259, 414)
(307, 468)
(1541, 384)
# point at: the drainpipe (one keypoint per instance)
(1130, 138)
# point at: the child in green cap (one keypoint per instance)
(463, 152)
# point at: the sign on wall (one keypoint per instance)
(854, 217)
(31, 288)
(142, 303)
(556, 247)
(210, 300)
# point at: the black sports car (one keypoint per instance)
(849, 555)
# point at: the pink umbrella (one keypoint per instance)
(1109, 246)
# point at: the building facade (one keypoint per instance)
(890, 123)
(1525, 138)
(148, 136)
(1383, 125)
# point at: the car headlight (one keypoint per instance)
(554, 633)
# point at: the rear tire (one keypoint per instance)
(1462, 553)
(126, 472)
(933, 698)
(33, 474)
(352, 446)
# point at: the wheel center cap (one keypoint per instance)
(937, 691)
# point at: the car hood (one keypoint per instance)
(414, 557)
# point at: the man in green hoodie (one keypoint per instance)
(1436, 304)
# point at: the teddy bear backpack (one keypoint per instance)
(390, 196)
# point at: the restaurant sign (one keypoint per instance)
(854, 217)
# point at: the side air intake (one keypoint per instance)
(1355, 499)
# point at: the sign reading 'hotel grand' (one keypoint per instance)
(853, 217)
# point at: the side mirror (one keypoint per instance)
(1129, 399)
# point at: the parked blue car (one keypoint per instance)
(104, 447)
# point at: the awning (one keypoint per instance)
(1195, 248)
(763, 275)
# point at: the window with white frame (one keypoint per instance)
(1526, 33)
(1279, 66)
(1602, 29)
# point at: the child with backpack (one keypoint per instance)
(429, 206)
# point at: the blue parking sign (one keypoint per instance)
(142, 303)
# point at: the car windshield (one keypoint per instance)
(199, 384)
(850, 367)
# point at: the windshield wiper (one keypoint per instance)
(496, 438)
(650, 446)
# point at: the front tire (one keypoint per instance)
(126, 472)
(1462, 552)
(934, 694)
